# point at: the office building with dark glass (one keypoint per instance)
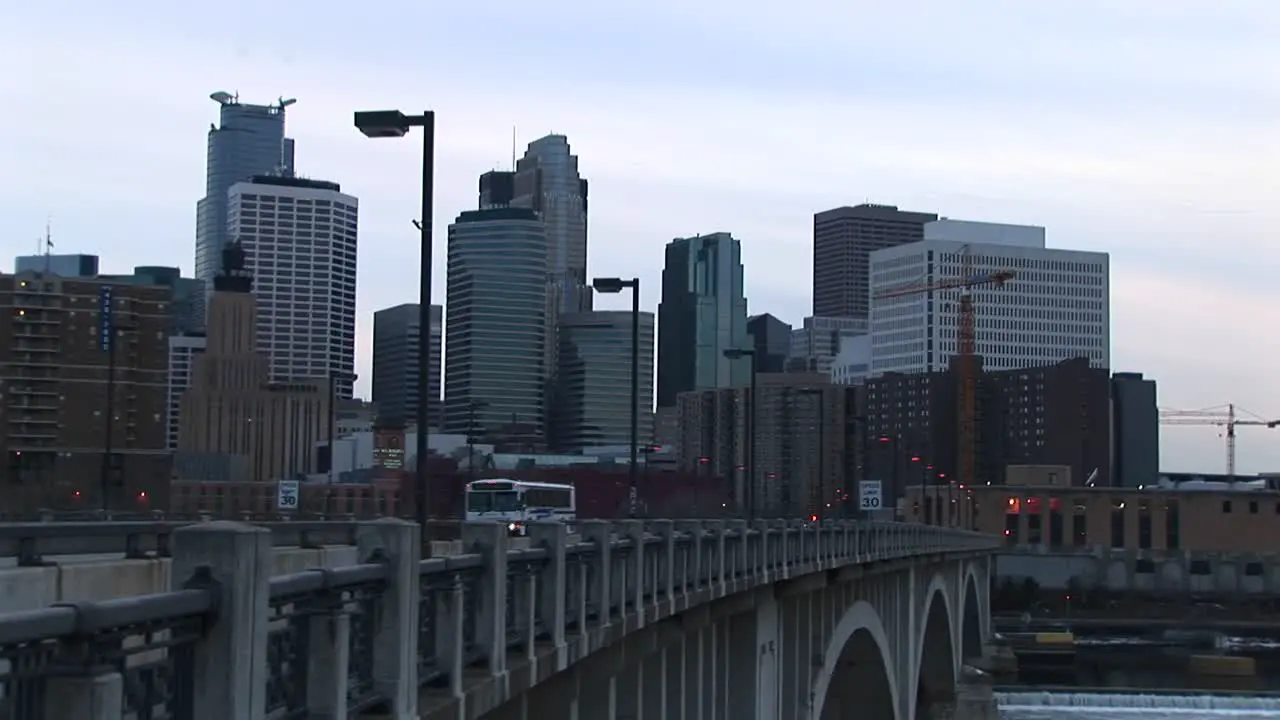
(593, 395)
(495, 321)
(395, 365)
(843, 240)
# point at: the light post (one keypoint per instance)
(819, 396)
(894, 442)
(615, 285)
(395, 124)
(749, 491)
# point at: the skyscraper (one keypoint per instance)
(547, 181)
(771, 342)
(70, 266)
(495, 321)
(843, 239)
(300, 240)
(248, 140)
(593, 399)
(395, 365)
(703, 313)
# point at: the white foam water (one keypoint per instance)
(1141, 702)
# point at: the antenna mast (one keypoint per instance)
(48, 244)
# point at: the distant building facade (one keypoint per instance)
(593, 399)
(770, 341)
(815, 345)
(843, 239)
(68, 266)
(396, 336)
(1136, 423)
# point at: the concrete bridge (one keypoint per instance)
(635, 619)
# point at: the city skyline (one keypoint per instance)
(1130, 155)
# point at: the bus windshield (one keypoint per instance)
(501, 501)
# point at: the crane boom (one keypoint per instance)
(969, 281)
(1217, 417)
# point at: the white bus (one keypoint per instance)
(518, 503)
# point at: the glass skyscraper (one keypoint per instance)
(703, 312)
(495, 322)
(248, 141)
(593, 398)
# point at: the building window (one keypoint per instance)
(1011, 528)
(1171, 529)
(1253, 507)
(1079, 526)
(1034, 536)
(1117, 525)
(1055, 523)
(1226, 506)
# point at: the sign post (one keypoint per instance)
(287, 493)
(870, 496)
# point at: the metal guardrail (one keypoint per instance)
(150, 640)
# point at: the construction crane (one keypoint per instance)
(1219, 416)
(966, 350)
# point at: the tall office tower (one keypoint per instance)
(232, 410)
(1057, 307)
(72, 343)
(497, 189)
(547, 181)
(395, 365)
(247, 141)
(771, 341)
(1135, 424)
(842, 240)
(814, 347)
(71, 266)
(593, 405)
(495, 323)
(299, 237)
(186, 311)
(702, 314)
(183, 350)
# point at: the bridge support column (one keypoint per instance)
(97, 696)
(765, 647)
(230, 665)
(395, 661)
(653, 688)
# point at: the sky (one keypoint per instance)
(1147, 129)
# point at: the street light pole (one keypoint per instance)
(615, 285)
(393, 123)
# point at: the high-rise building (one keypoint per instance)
(70, 266)
(843, 239)
(299, 237)
(546, 180)
(495, 322)
(183, 351)
(1057, 306)
(1135, 421)
(771, 342)
(702, 314)
(395, 365)
(232, 409)
(186, 311)
(247, 141)
(593, 398)
(81, 358)
(497, 189)
(814, 347)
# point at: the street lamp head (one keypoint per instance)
(383, 123)
(738, 353)
(608, 285)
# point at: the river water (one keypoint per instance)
(1123, 662)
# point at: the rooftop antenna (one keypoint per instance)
(513, 148)
(48, 244)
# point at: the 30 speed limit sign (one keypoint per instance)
(869, 496)
(287, 495)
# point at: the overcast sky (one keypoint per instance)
(1143, 128)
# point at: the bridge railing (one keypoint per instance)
(230, 641)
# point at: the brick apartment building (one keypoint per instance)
(55, 370)
(1055, 415)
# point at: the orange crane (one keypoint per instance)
(1220, 416)
(966, 351)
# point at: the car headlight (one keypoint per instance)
(511, 527)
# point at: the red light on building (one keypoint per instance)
(915, 458)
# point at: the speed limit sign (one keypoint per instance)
(287, 495)
(869, 495)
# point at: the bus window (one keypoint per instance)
(504, 501)
(548, 498)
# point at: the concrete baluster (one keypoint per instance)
(553, 583)
(490, 540)
(719, 548)
(693, 563)
(783, 548)
(328, 657)
(451, 608)
(600, 533)
(737, 563)
(764, 556)
(395, 644)
(96, 695)
(633, 530)
(230, 660)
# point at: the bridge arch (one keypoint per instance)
(857, 669)
(934, 676)
(971, 630)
